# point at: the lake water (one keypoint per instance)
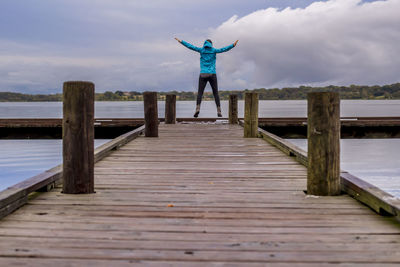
(374, 160)
(22, 159)
(134, 109)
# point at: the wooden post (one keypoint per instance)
(251, 114)
(150, 114)
(323, 173)
(170, 109)
(233, 109)
(78, 138)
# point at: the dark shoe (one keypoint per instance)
(196, 114)
(219, 113)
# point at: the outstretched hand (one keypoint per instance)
(235, 43)
(178, 40)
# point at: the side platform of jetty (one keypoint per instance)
(108, 128)
(198, 195)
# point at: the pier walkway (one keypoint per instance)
(198, 195)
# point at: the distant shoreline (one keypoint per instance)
(188, 100)
(293, 93)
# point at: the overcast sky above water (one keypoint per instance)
(128, 44)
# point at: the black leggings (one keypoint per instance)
(212, 79)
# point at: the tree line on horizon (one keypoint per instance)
(293, 93)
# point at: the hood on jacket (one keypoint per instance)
(207, 44)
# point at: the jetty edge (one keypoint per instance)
(17, 195)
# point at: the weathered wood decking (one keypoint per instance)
(198, 195)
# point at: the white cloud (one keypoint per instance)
(331, 42)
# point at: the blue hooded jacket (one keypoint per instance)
(207, 55)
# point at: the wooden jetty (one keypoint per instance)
(199, 194)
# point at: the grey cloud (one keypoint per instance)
(332, 42)
(124, 65)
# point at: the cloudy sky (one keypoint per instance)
(128, 45)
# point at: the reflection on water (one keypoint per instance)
(373, 160)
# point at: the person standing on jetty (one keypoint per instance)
(207, 70)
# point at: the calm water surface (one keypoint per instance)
(22, 159)
(374, 160)
(134, 109)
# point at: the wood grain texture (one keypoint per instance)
(323, 134)
(199, 195)
(78, 138)
(170, 109)
(233, 109)
(150, 114)
(250, 114)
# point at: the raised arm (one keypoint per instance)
(190, 46)
(226, 48)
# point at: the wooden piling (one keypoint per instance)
(150, 114)
(251, 114)
(78, 137)
(233, 109)
(170, 109)
(323, 173)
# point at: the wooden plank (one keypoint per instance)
(377, 199)
(51, 262)
(11, 204)
(352, 238)
(190, 245)
(187, 228)
(275, 219)
(271, 255)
